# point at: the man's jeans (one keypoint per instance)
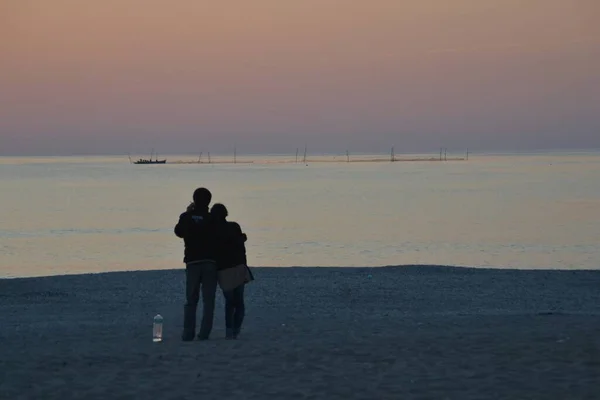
(199, 274)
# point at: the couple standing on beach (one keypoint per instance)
(215, 254)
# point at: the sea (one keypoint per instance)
(74, 215)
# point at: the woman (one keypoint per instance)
(233, 270)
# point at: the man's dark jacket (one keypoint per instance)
(199, 235)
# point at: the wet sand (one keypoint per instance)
(410, 332)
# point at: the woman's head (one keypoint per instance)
(219, 211)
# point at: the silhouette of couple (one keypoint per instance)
(215, 254)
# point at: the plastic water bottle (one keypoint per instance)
(157, 329)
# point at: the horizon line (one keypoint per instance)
(321, 153)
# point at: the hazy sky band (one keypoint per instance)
(123, 76)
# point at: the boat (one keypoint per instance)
(149, 161)
(142, 161)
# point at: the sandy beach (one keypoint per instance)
(410, 332)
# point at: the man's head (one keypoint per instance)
(202, 197)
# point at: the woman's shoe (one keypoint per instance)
(230, 334)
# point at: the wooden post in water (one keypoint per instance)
(200, 158)
(304, 155)
(392, 157)
(347, 156)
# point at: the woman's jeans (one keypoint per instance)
(234, 310)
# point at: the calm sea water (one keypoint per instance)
(78, 215)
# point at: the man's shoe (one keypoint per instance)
(186, 337)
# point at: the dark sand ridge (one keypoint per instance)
(320, 333)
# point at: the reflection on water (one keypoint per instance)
(91, 214)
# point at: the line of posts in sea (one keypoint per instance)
(443, 156)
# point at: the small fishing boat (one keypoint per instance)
(148, 161)
(142, 161)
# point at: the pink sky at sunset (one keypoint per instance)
(119, 76)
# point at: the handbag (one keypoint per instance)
(231, 278)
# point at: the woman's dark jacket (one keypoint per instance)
(232, 249)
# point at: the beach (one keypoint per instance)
(409, 332)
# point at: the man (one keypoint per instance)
(198, 232)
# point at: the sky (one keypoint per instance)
(269, 76)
